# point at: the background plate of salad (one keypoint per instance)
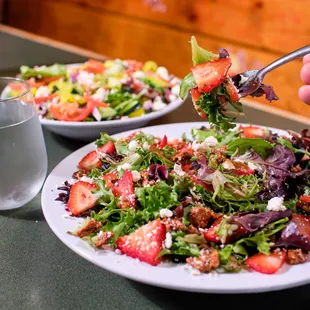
(80, 100)
(188, 208)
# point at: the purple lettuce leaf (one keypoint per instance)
(290, 237)
(157, 172)
(204, 170)
(254, 222)
(266, 90)
(223, 53)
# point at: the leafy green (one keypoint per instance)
(289, 145)
(117, 98)
(211, 105)
(44, 71)
(187, 84)
(104, 138)
(260, 146)
(200, 55)
(180, 246)
(201, 135)
(156, 197)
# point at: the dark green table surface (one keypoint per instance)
(37, 271)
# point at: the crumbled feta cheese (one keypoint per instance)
(276, 204)
(172, 97)
(138, 75)
(168, 241)
(158, 104)
(252, 166)
(175, 89)
(100, 94)
(146, 146)
(86, 78)
(136, 176)
(228, 165)
(165, 213)
(86, 179)
(124, 117)
(133, 145)
(55, 100)
(96, 114)
(163, 73)
(124, 166)
(178, 170)
(42, 91)
(211, 141)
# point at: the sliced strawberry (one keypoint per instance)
(145, 243)
(195, 97)
(211, 74)
(267, 264)
(81, 198)
(109, 178)
(195, 94)
(252, 131)
(206, 186)
(124, 189)
(232, 90)
(92, 160)
(305, 199)
(211, 236)
(163, 142)
(303, 224)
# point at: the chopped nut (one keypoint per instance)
(296, 256)
(208, 260)
(173, 224)
(296, 168)
(103, 238)
(192, 230)
(79, 174)
(200, 216)
(90, 227)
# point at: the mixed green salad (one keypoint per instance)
(98, 90)
(216, 201)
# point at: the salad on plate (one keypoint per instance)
(224, 202)
(98, 90)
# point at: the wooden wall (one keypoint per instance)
(254, 31)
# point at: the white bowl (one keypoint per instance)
(89, 131)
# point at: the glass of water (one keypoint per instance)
(23, 158)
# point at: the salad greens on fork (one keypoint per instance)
(218, 201)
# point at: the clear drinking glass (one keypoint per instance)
(23, 158)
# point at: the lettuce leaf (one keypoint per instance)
(260, 146)
(200, 55)
(44, 71)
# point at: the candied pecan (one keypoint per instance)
(183, 156)
(90, 227)
(173, 224)
(145, 179)
(206, 261)
(192, 230)
(103, 238)
(296, 168)
(200, 216)
(80, 173)
(216, 159)
(305, 158)
(304, 206)
(296, 256)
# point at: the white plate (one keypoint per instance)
(89, 131)
(165, 275)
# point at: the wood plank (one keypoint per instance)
(119, 36)
(276, 25)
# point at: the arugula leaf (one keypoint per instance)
(260, 146)
(201, 135)
(289, 145)
(200, 55)
(187, 84)
(44, 71)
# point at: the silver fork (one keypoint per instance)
(248, 82)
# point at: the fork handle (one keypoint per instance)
(283, 60)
